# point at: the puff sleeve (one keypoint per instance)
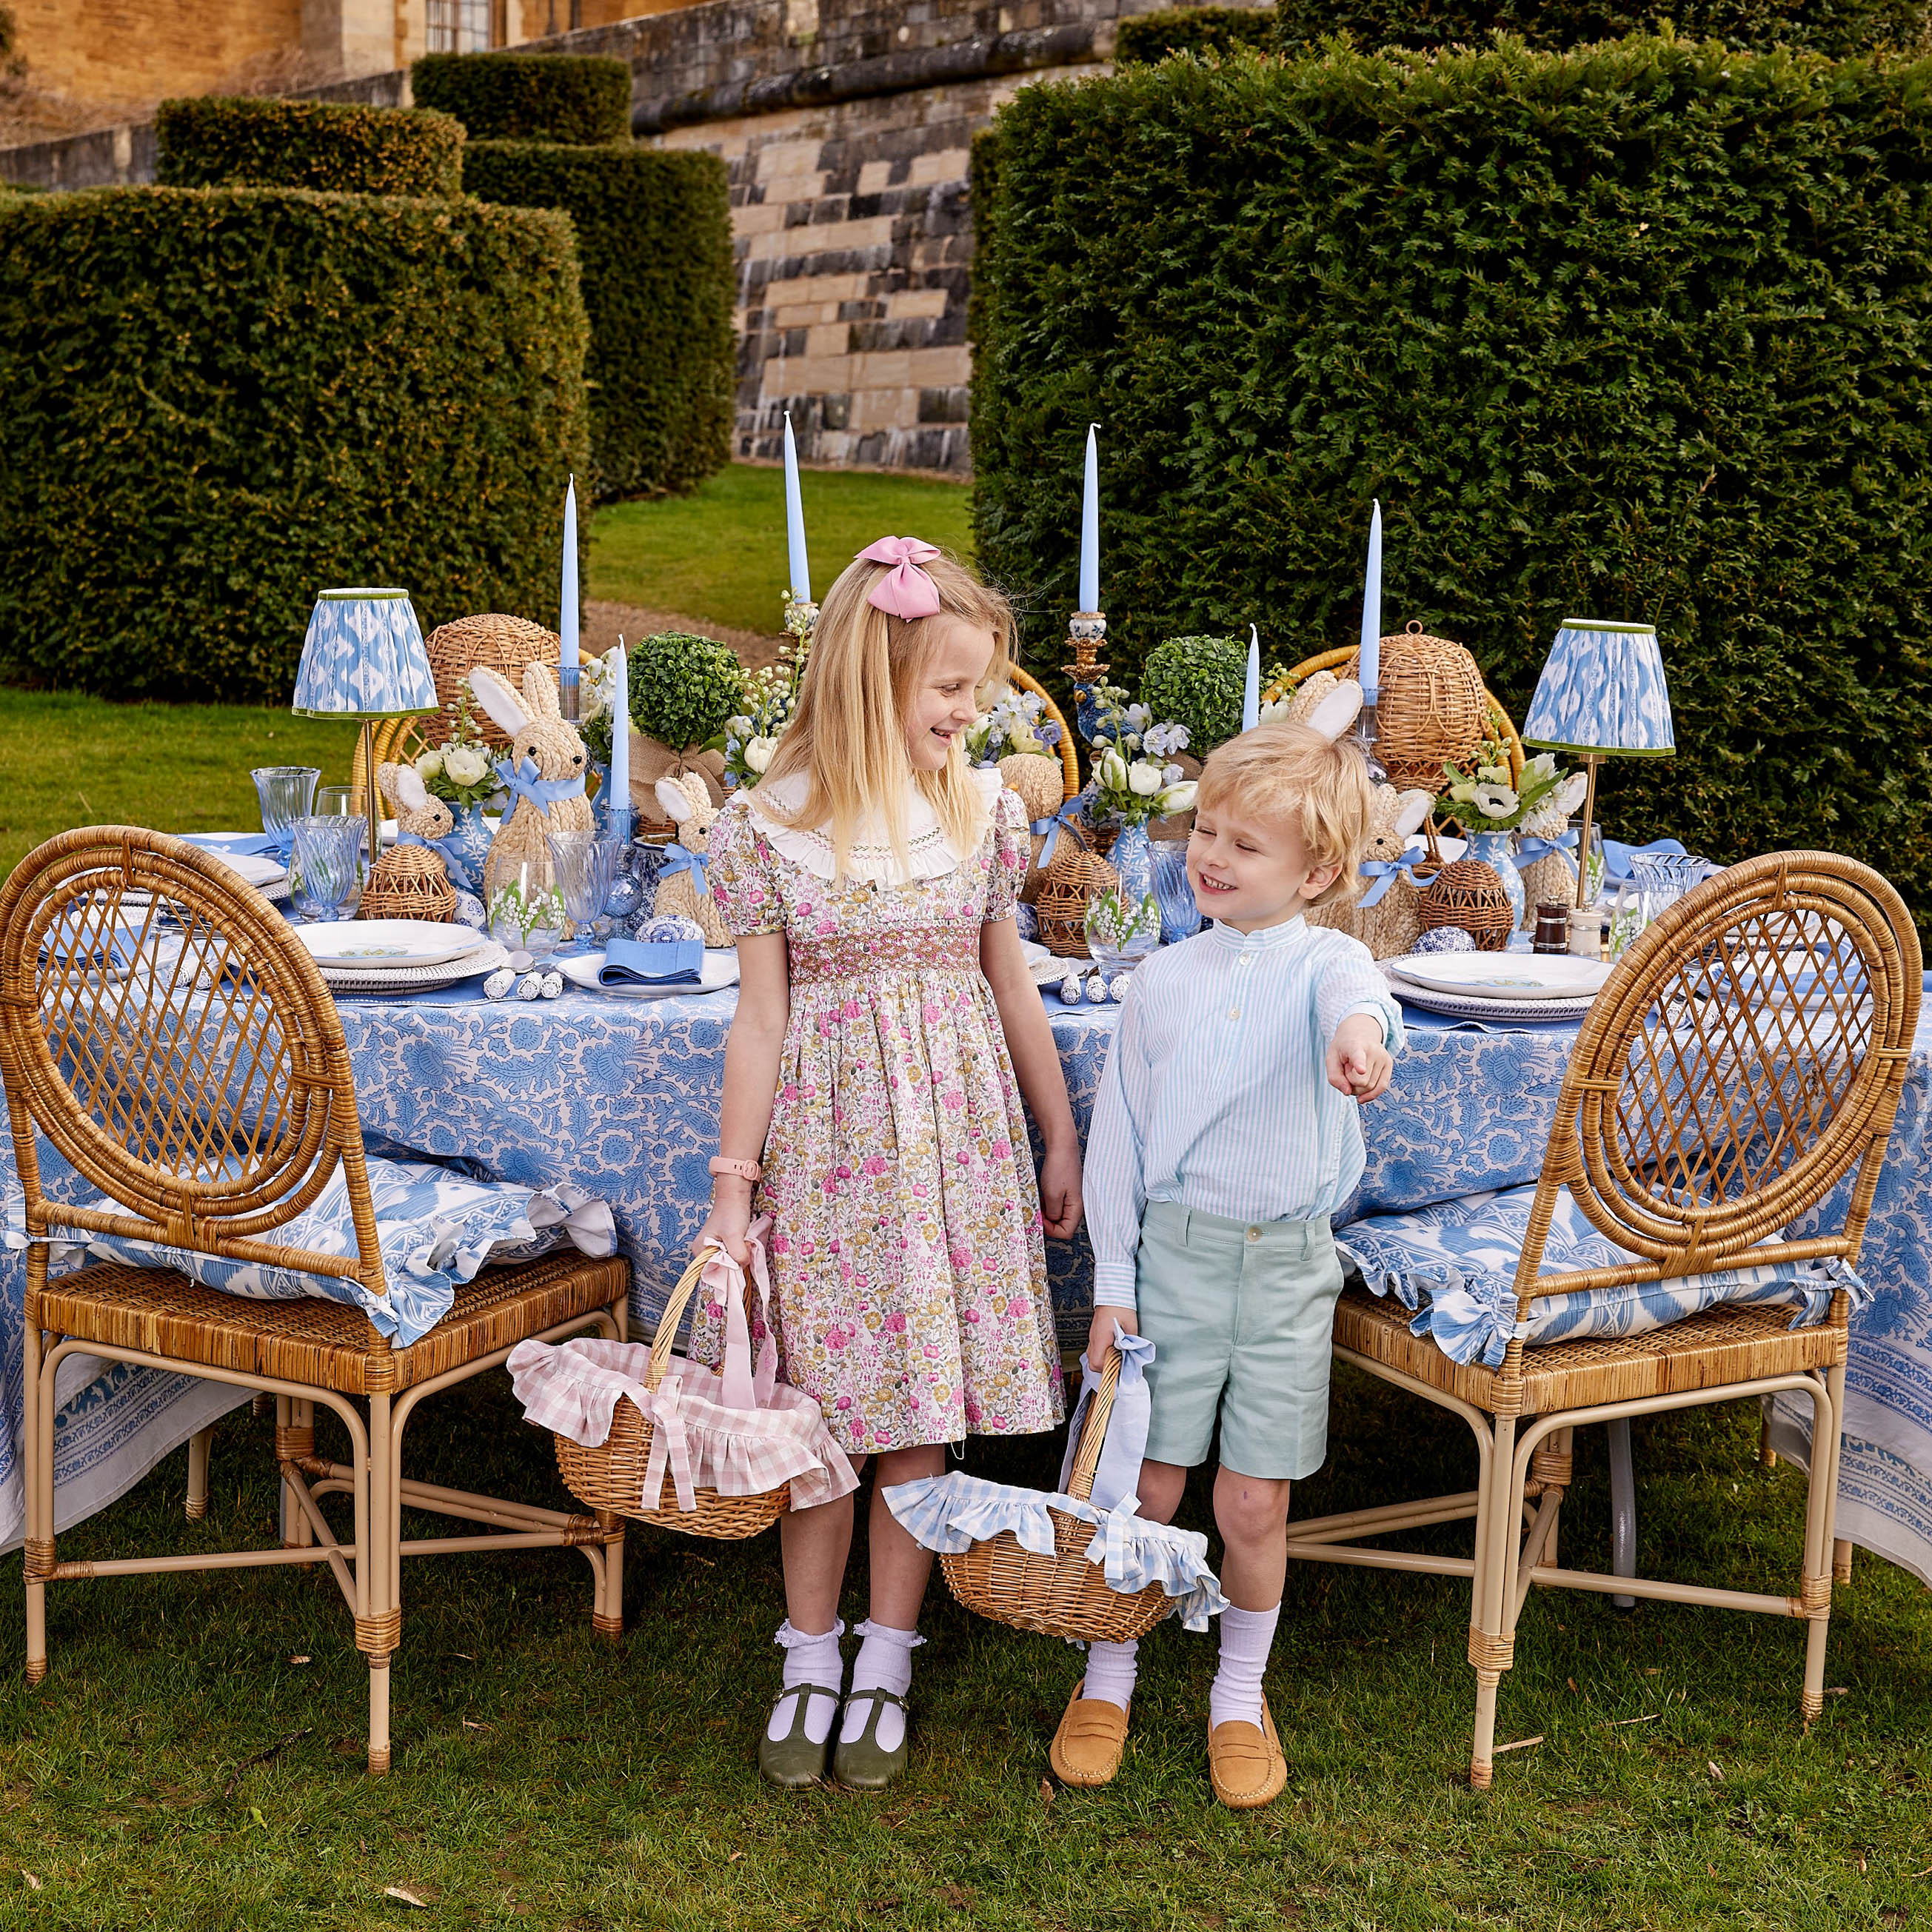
(1012, 853)
(743, 877)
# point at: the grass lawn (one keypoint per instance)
(195, 1757)
(719, 553)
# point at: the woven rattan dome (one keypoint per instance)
(409, 882)
(1468, 893)
(1431, 709)
(1076, 873)
(504, 644)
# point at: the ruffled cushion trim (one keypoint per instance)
(928, 855)
(950, 1513)
(1471, 1315)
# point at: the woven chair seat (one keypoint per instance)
(1734, 1342)
(321, 1343)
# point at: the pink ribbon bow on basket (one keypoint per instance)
(907, 592)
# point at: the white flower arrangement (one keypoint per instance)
(1016, 723)
(1489, 802)
(770, 696)
(1133, 791)
(461, 771)
(515, 910)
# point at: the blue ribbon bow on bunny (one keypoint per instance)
(1384, 872)
(522, 781)
(682, 859)
(1068, 813)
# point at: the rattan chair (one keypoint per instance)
(399, 741)
(1692, 1125)
(1067, 750)
(210, 1100)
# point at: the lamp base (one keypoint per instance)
(372, 793)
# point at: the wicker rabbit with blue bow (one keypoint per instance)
(544, 774)
(683, 888)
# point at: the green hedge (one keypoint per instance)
(1836, 27)
(213, 403)
(223, 142)
(574, 98)
(654, 231)
(1637, 332)
(1195, 30)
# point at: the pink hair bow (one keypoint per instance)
(907, 592)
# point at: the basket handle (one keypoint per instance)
(1093, 1432)
(665, 1337)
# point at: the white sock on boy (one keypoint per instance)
(809, 1660)
(1246, 1637)
(1111, 1669)
(884, 1662)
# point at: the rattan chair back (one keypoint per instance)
(1066, 750)
(1746, 1053)
(400, 741)
(201, 1082)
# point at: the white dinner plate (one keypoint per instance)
(377, 945)
(1512, 977)
(719, 970)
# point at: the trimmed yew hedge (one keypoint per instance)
(654, 233)
(578, 99)
(1639, 332)
(213, 403)
(1205, 31)
(224, 141)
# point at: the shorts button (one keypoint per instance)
(1254, 1233)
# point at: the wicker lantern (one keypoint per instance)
(1468, 894)
(504, 644)
(409, 882)
(1075, 873)
(1431, 710)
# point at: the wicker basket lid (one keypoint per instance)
(504, 644)
(1431, 707)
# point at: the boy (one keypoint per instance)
(1225, 1134)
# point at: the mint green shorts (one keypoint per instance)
(1242, 1317)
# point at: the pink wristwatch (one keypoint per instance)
(745, 1170)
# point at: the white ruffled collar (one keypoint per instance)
(929, 854)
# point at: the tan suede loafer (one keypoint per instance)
(1086, 1749)
(1244, 1763)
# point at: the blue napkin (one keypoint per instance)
(115, 949)
(239, 844)
(632, 962)
(1617, 857)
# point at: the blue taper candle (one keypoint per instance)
(1371, 672)
(800, 571)
(1251, 694)
(1089, 528)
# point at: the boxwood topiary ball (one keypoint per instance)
(683, 687)
(1198, 682)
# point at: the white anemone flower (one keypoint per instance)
(758, 754)
(1143, 779)
(1495, 801)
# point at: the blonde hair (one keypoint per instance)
(847, 735)
(1289, 774)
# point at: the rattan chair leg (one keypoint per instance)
(1820, 1499)
(286, 1513)
(606, 1618)
(198, 1445)
(385, 1562)
(1841, 1551)
(40, 1530)
(1489, 1651)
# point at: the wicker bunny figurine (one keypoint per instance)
(411, 880)
(681, 885)
(545, 773)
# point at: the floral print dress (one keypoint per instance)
(908, 1271)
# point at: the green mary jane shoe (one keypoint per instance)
(793, 1761)
(865, 1764)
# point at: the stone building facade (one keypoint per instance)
(846, 125)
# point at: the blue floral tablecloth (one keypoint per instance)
(622, 1097)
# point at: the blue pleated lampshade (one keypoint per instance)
(1603, 690)
(363, 658)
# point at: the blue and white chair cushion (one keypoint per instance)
(436, 1228)
(1455, 1264)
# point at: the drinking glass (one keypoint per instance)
(286, 792)
(586, 866)
(326, 874)
(346, 801)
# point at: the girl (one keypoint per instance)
(885, 1017)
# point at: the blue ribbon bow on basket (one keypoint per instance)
(522, 781)
(682, 859)
(454, 864)
(1384, 872)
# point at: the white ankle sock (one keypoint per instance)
(1111, 1669)
(884, 1662)
(1246, 1636)
(809, 1660)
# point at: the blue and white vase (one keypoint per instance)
(466, 846)
(600, 805)
(1132, 858)
(1492, 849)
(1180, 917)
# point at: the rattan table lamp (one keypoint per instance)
(363, 658)
(1602, 694)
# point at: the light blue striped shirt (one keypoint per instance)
(1215, 1094)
